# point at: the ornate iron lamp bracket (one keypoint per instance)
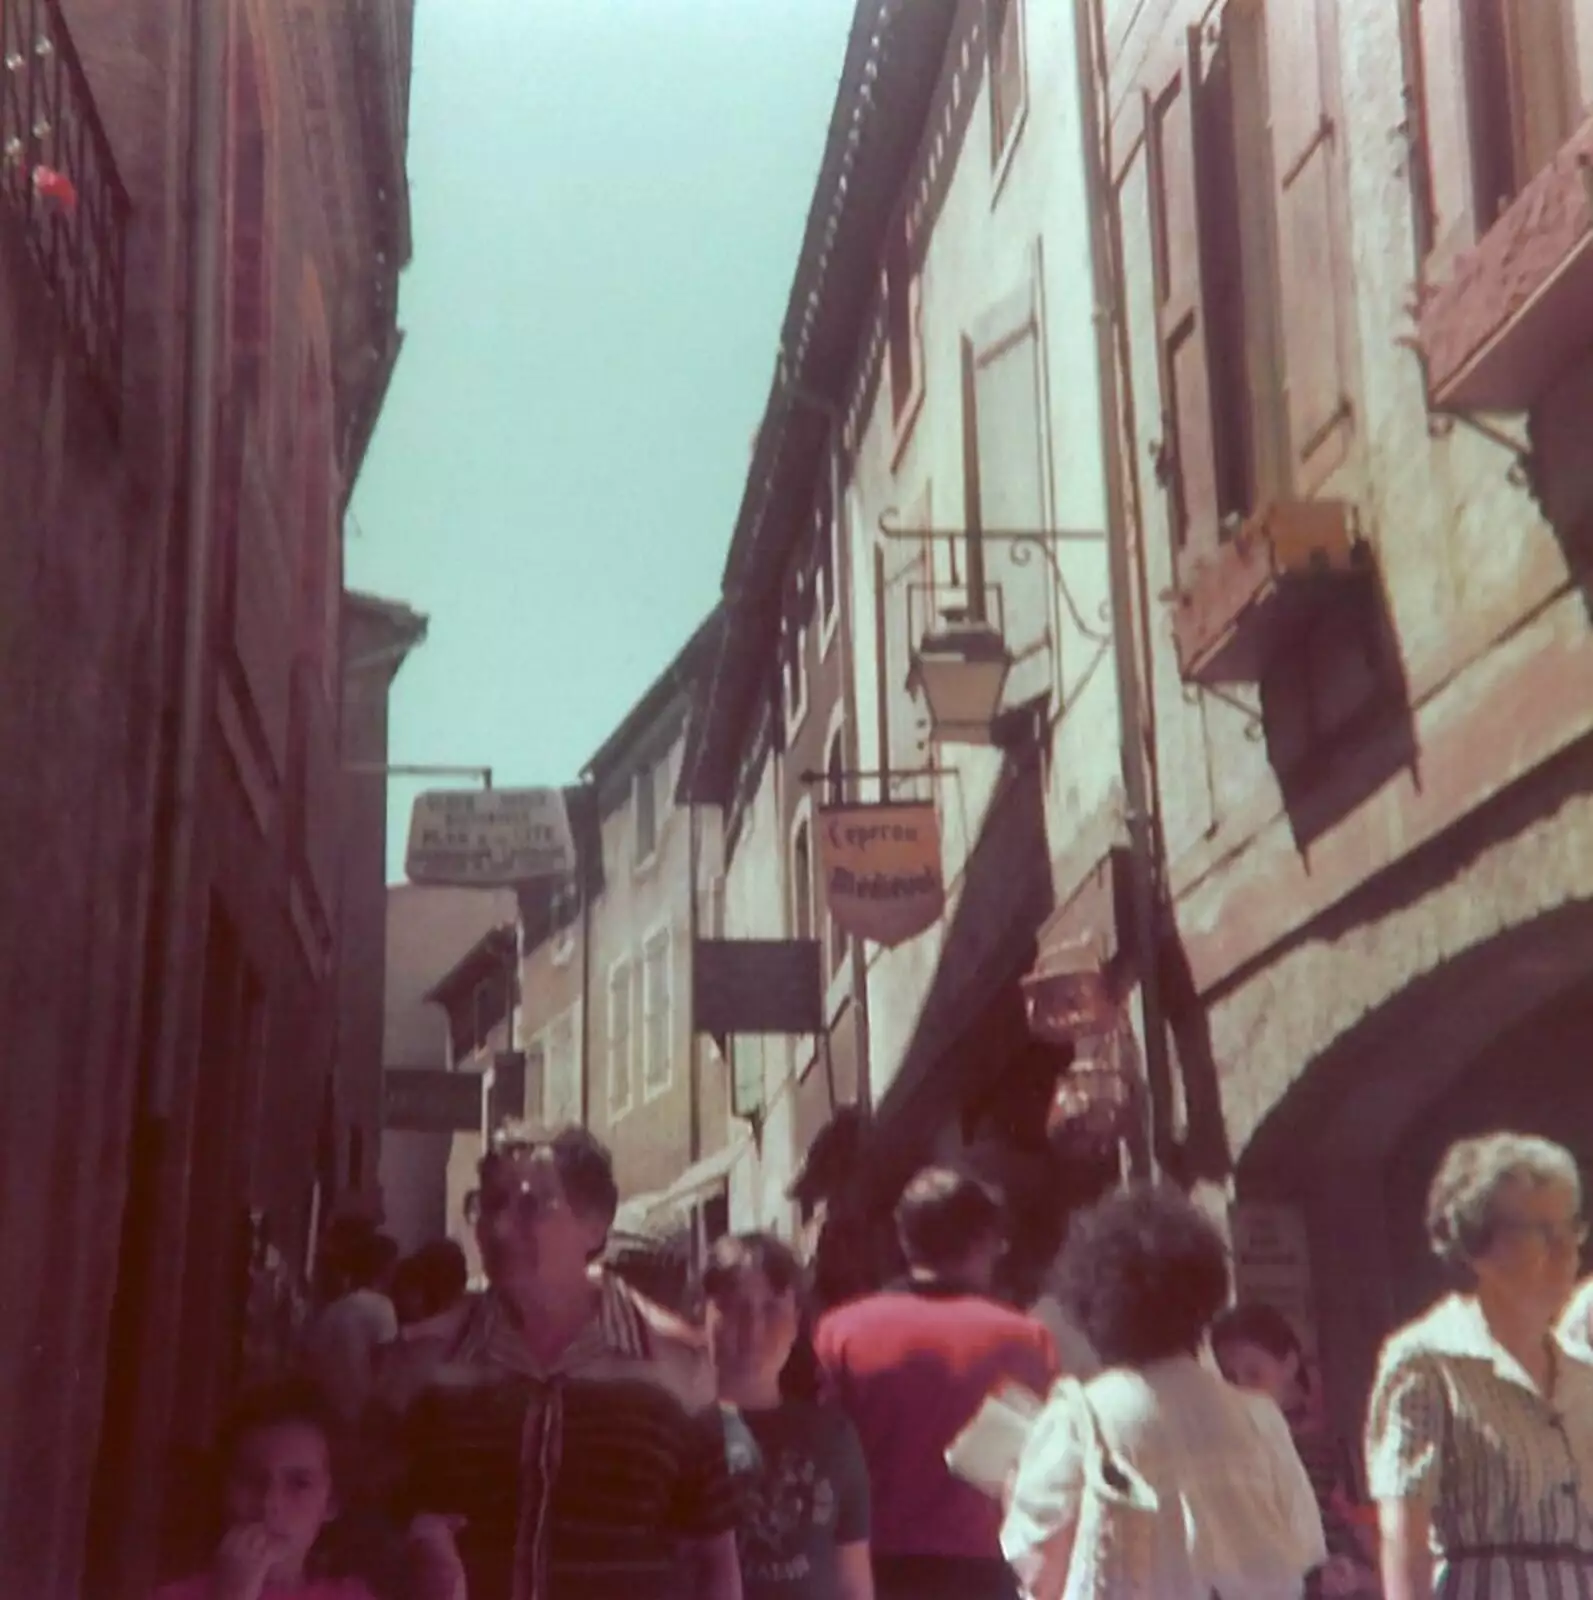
(1022, 545)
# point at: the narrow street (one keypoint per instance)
(829, 597)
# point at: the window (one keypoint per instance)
(904, 329)
(563, 914)
(646, 815)
(1251, 284)
(621, 1040)
(802, 882)
(795, 677)
(657, 1014)
(835, 795)
(1519, 73)
(826, 536)
(1009, 98)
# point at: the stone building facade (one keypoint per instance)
(201, 229)
(1272, 325)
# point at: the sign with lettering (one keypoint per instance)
(1272, 1263)
(757, 986)
(489, 838)
(418, 1100)
(882, 870)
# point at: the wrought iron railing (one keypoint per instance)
(58, 179)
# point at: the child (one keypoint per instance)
(278, 1497)
(1257, 1349)
(803, 1531)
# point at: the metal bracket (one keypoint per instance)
(1440, 424)
(887, 775)
(1255, 725)
(1022, 544)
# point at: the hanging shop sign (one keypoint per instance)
(883, 877)
(418, 1100)
(1072, 994)
(757, 986)
(1272, 1263)
(489, 838)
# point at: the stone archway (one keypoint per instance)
(1450, 996)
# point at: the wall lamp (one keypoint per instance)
(962, 658)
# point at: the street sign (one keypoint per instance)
(418, 1100)
(489, 838)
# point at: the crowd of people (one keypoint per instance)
(556, 1435)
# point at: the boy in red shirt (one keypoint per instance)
(910, 1366)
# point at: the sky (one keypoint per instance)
(608, 200)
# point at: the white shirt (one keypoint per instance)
(1235, 1510)
(1075, 1354)
(340, 1349)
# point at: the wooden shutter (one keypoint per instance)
(1189, 458)
(1311, 278)
(1008, 439)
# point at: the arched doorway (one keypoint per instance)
(1494, 1036)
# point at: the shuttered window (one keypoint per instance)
(621, 1039)
(1006, 462)
(1250, 277)
(1495, 95)
(904, 574)
(1313, 277)
(1008, 76)
(1188, 464)
(903, 326)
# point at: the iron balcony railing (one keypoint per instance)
(58, 179)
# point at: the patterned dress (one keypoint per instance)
(1458, 1427)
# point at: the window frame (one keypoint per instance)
(794, 675)
(563, 941)
(827, 571)
(999, 15)
(622, 982)
(802, 832)
(837, 941)
(645, 779)
(901, 288)
(660, 939)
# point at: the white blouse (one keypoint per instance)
(1457, 1427)
(1236, 1512)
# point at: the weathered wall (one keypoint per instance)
(648, 1129)
(1001, 232)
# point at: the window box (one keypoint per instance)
(1235, 606)
(1519, 304)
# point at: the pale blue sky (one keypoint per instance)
(608, 201)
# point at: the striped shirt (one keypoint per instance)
(1458, 1428)
(582, 1478)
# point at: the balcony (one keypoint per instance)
(1519, 306)
(59, 186)
(1237, 606)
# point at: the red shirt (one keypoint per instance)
(911, 1367)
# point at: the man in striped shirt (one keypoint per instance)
(561, 1426)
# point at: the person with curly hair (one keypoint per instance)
(1479, 1436)
(1145, 1272)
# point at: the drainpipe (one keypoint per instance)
(171, 941)
(693, 928)
(583, 868)
(126, 1481)
(1138, 787)
(832, 414)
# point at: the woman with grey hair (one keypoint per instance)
(1479, 1439)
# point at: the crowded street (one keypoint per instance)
(802, 797)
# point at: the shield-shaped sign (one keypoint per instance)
(883, 878)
